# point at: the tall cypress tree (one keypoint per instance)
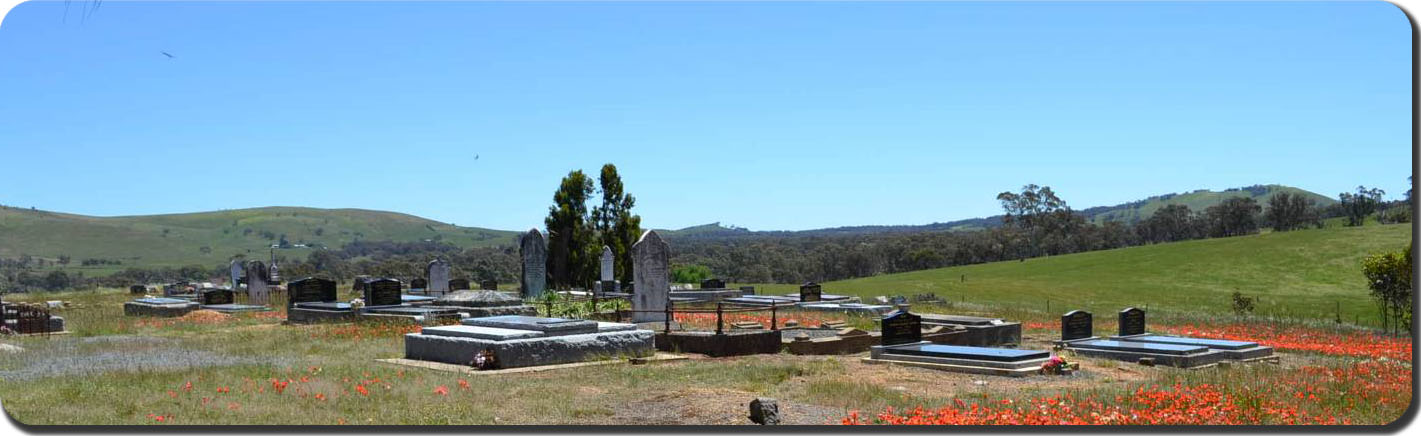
(616, 226)
(569, 234)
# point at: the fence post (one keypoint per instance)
(719, 325)
(774, 319)
(668, 315)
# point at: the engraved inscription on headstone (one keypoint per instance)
(257, 291)
(382, 292)
(608, 264)
(438, 274)
(1132, 322)
(310, 290)
(652, 275)
(459, 285)
(535, 264)
(217, 296)
(811, 292)
(1077, 324)
(901, 327)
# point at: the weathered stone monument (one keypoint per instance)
(651, 273)
(438, 274)
(608, 270)
(257, 291)
(236, 271)
(534, 252)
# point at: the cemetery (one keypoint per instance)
(456, 330)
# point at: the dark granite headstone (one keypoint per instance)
(459, 285)
(1077, 324)
(712, 284)
(217, 296)
(1132, 322)
(360, 283)
(811, 292)
(311, 290)
(901, 327)
(488, 285)
(383, 292)
(137, 289)
(419, 284)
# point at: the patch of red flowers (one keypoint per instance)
(363, 331)
(1354, 343)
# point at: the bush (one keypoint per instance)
(1242, 305)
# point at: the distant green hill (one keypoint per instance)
(1196, 201)
(210, 238)
(1303, 274)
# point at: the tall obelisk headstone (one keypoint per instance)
(651, 274)
(438, 275)
(257, 291)
(535, 264)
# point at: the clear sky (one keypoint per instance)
(764, 115)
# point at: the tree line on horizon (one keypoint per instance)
(1037, 222)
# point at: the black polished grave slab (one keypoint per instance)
(901, 327)
(1132, 322)
(1077, 324)
(1217, 344)
(959, 320)
(810, 292)
(960, 352)
(162, 300)
(1139, 347)
(310, 290)
(406, 310)
(383, 292)
(324, 305)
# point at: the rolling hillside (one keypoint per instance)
(179, 239)
(1302, 274)
(1130, 212)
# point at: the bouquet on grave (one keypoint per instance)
(1057, 365)
(485, 360)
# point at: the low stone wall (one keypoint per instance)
(737, 343)
(533, 351)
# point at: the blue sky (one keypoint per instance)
(763, 115)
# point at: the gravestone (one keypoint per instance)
(310, 290)
(137, 289)
(608, 263)
(488, 285)
(1077, 324)
(419, 283)
(382, 292)
(438, 274)
(747, 290)
(901, 327)
(651, 273)
(236, 272)
(534, 252)
(1132, 322)
(257, 291)
(811, 292)
(459, 285)
(712, 284)
(217, 296)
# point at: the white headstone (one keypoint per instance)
(652, 274)
(257, 292)
(438, 275)
(534, 252)
(607, 262)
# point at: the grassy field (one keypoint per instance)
(249, 369)
(179, 239)
(1307, 274)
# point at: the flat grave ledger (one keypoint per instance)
(313, 300)
(1133, 329)
(1181, 356)
(957, 358)
(223, 300)
(854, 308)
(978, 331)
(484, 303)
(159, 306)
(524, 341)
